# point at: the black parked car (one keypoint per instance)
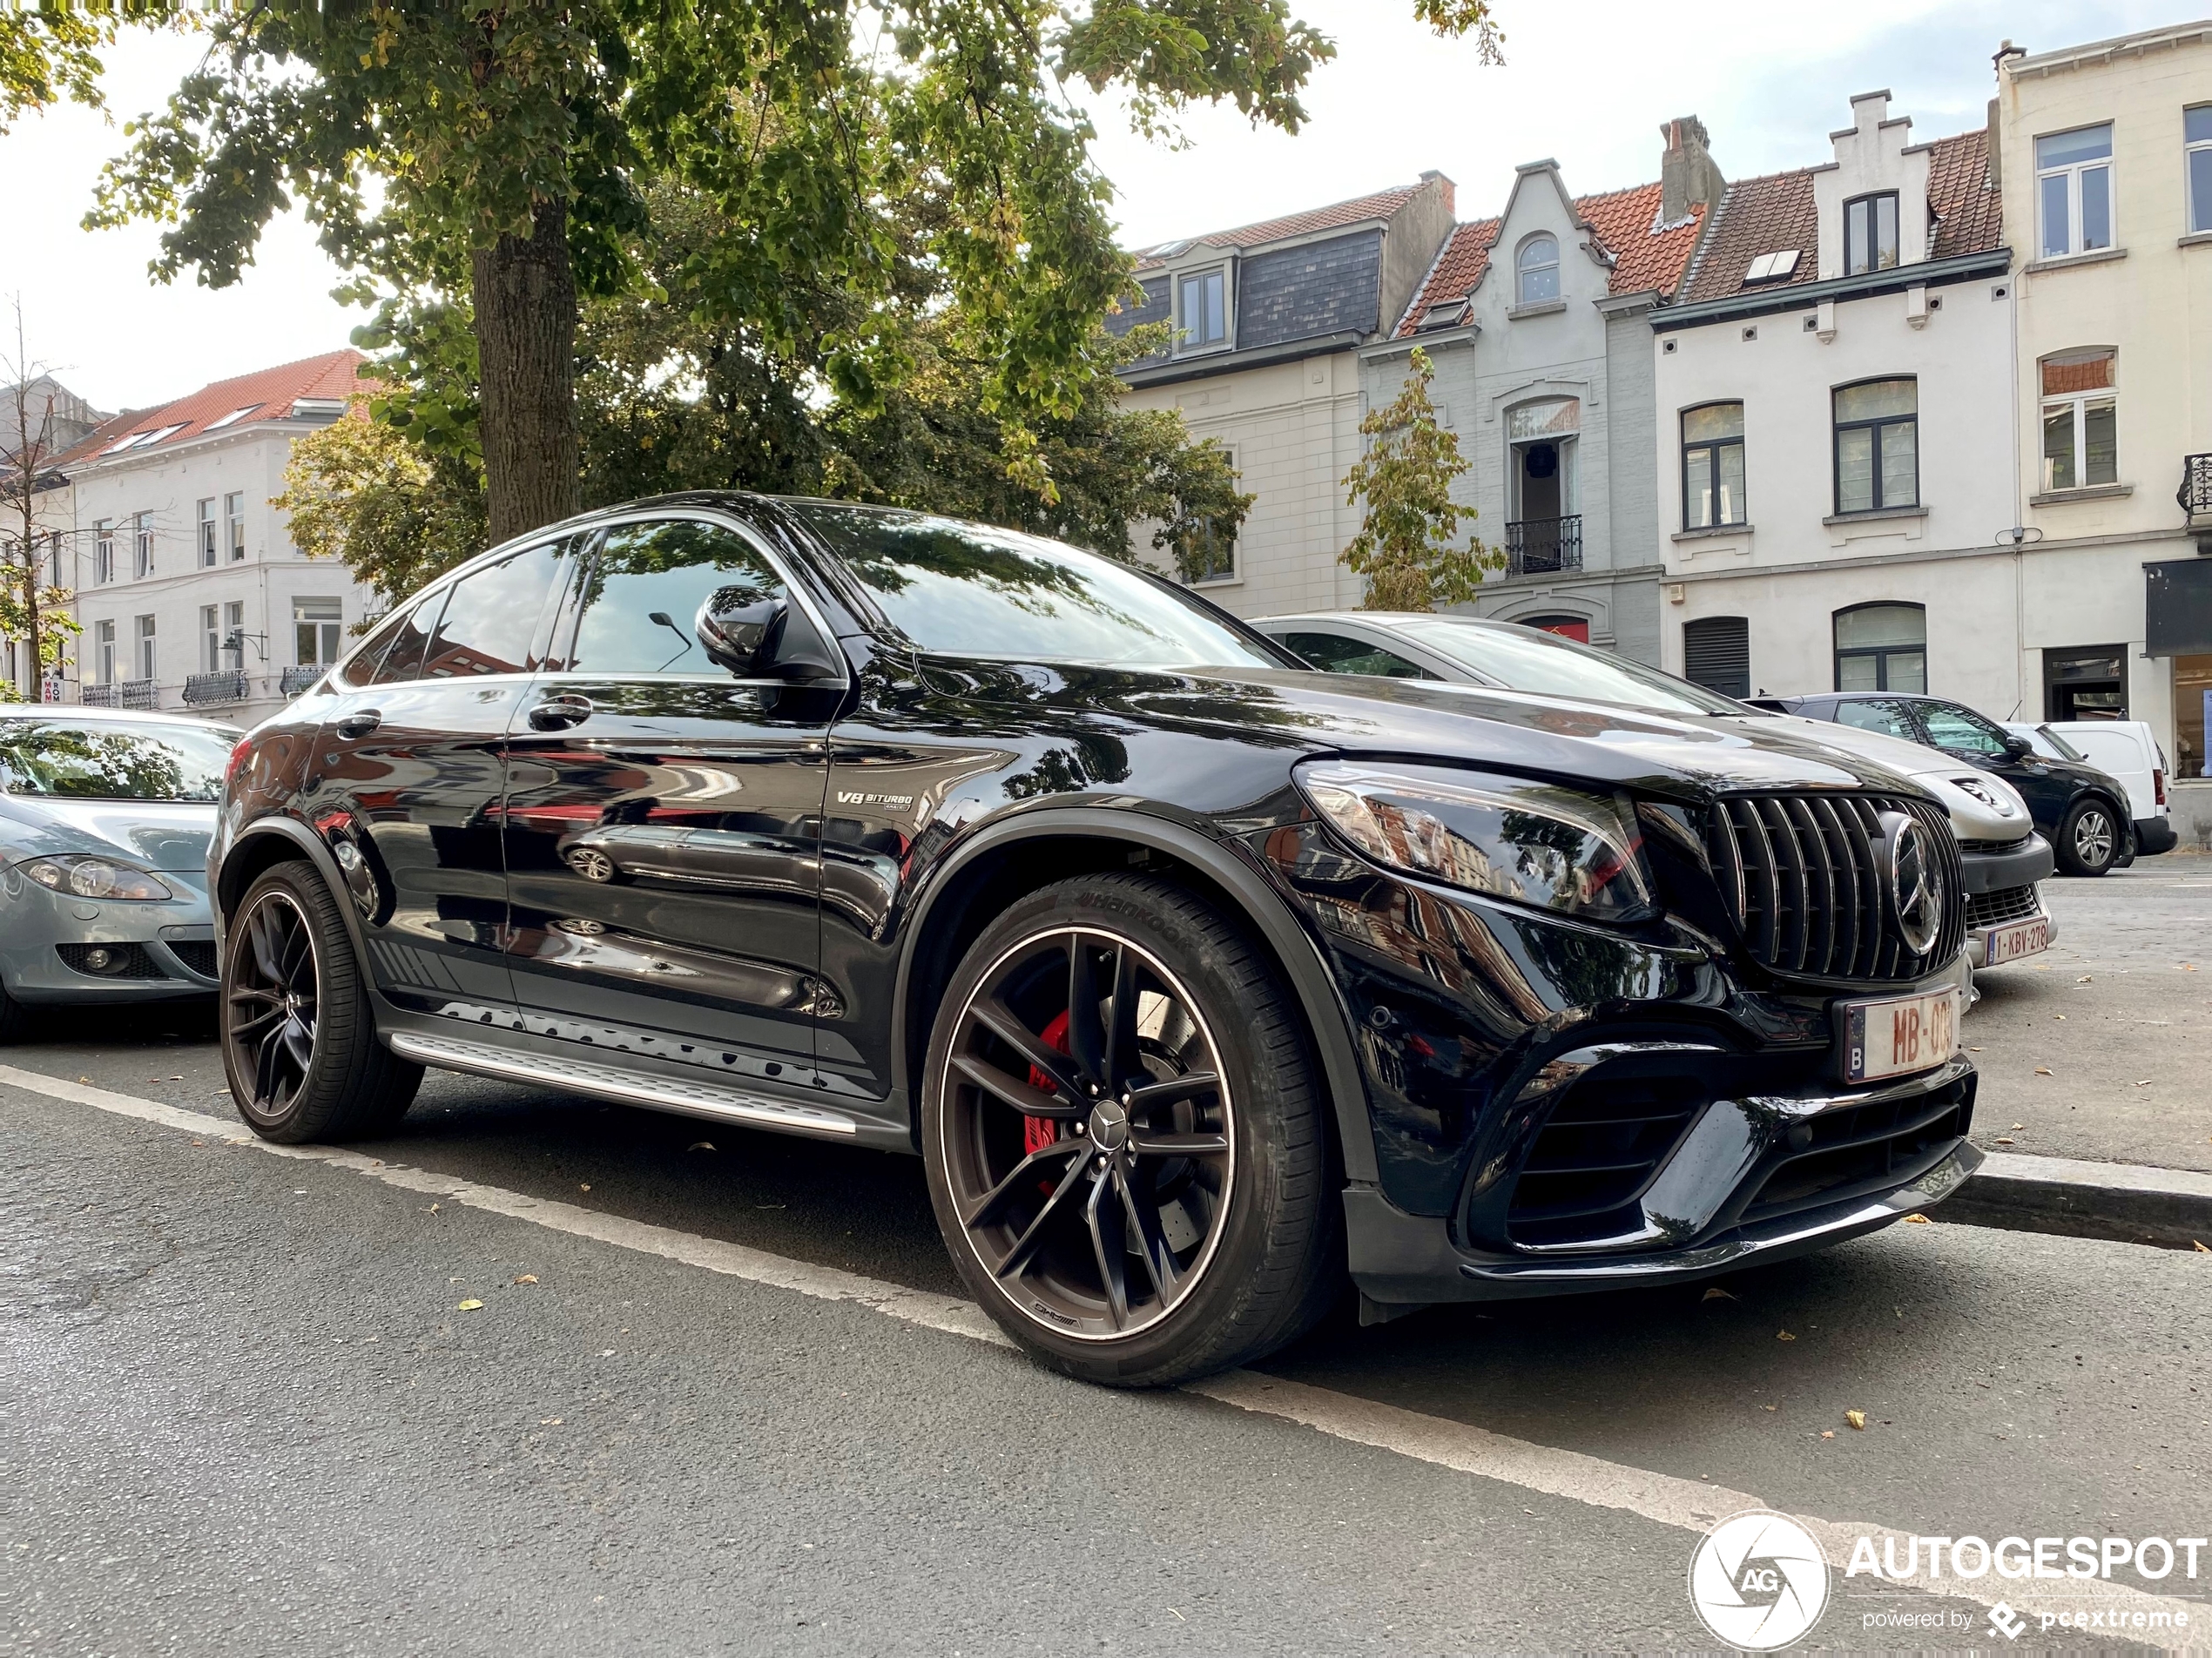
(2082, 812)
(1196, 977)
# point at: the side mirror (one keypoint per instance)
(758, 634)
(2018, 746)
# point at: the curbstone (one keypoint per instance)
(2126, 1202)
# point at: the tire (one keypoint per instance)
(298, 1035)
(15, 1018)
(1209, 1231)
(2089, 838)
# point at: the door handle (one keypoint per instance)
(558, 713)
(359, 724)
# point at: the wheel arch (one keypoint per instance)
(260, 846)
(1004, 861)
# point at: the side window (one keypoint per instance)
(408, 635)
(1960, 730)
(491, 618)
(1887, 718)
(643, 594)
(1334, 653)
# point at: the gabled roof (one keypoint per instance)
(265, 394)
(1777, 213)
(1358, 211)
(1647, 254)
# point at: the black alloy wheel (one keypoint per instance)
(1094, 1113)
(2089, 840)
(298, 1034)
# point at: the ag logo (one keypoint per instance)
(1758, 1580)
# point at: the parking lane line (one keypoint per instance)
(1688, 1505)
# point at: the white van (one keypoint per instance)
(2126, 749)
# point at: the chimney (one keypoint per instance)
(1687, 177)
(1449, 191)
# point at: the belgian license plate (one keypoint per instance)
(2003, 944)
(1899, 1035)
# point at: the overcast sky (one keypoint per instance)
(1588, 82)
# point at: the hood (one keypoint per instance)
(167, 836)
(1584, 742)
(1932, 768)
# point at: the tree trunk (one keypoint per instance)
(525, 300)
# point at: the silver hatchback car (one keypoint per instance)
(105, 820)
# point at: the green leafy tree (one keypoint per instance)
(493, 152)
(48, 55)
(1407, 546)
(365, 494)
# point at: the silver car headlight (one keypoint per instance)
(88, 875)
(1510, 838)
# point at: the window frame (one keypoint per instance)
(1235, 573)
(1837, 428)
(1704, 626)
(141, 546)
(1711, 446)
(1871, 202)
(1881, 653)
(1186, 344)
(204, 533)
(102, 551)
(211, 630)
(1522, 270)
(146, 636)
(234, 525)
(2073, 174)
(2191, 149)
(2048, 403)
(104, 644)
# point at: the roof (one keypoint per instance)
(1647, 255)
(1776, 214)
(265, 394)
(1358, 211)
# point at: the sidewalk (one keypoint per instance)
(2168, 1207)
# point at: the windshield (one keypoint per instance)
(2059, 746)
(971, 591)
(113, 762)
(1524, 659)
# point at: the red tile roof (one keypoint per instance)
(1358, 211)
(1626, 224)
(268, 393)
(1969, 214)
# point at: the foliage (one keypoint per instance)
(1404, 548)
(363, 492)
(48, 56)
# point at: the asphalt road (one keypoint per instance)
(241, 1410)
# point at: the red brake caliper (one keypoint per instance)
(1037, 1133)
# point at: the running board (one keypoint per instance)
(611, 1082)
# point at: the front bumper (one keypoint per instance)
(2022, 865)
(170, 937)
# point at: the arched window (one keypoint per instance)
(1882, 647)
(1716, 654)
(1877, 445)
(1539, 270)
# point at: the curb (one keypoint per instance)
(2128, 1202)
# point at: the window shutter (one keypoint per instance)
(1716, 654)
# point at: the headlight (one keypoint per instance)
(1533, 843)
(1989, 797)
(87, 875)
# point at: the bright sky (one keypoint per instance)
(1587, 82)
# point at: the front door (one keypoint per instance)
(663, 821)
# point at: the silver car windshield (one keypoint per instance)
(113, 761)
(1526, 659)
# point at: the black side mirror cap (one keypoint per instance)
(2018, 746)
(758, 634)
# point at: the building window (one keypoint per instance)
(1877, 445)
(2086, 682)
(2196, 139)
(2081, 439)
(1576, 628)
(1882, 647)
(2192, 716)
(316, 624)
(235, 524)
(141, 545)
(207, 534)
(103, 650)
(102, 551)
(2073, 189)
(1712, 466)
(211, 638)
(145, 648)
(234, 630)
(1202, 302)
(1716, 654)
(1870, 233)
(1538, 266)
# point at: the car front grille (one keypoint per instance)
(1805, 879)
(1596, 1155)
(199, 955)
(1868, 1148)
(1997, 909)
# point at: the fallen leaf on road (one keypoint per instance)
(527, 1278)
(2060, 1017)
(179, 1077)
(434, 1209)
(2043, 967)
(468, 1306)
(199, 1142)
(1827, 1434)
(1857, 1419)
(2019, 1125)
(1973, 1050)
(2084, 978)
(2186, 967)
(549, 1421)
(1916, 1220)
(2144, 1083)
(2004, 1140)
(2040, 1070)
(583, 1188)
(1717, 1294)
(700, 1145)
(1784, 1335)
(2200, 1249)
(1769, 1407)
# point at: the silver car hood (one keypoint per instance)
(1934, 770)
(163, 835)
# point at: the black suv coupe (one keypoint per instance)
(1198, 979)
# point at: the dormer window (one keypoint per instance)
(1538, 271)
(1202, 310)
(1870, 233)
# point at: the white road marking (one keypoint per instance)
(1688, 1506)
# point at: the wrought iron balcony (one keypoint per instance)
(2196, 493)
(124, 693)
(204, 689)
(1544, 546)
(296, 680)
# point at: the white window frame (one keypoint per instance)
(235, 524)
(144, 632)
(211, 633)
(103, 552)
(141, 546)
(2072, 172)
(104, 647)
(318, 631)
(208, 533)
(1522, 271)
(2192, 148)
(1186, 344)
(2077, 404)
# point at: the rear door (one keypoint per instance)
(407, 777)
(664, 820)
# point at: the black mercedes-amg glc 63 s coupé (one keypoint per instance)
(1201, 982)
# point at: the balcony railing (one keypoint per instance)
(296, 680)
(204, 689)
(125, 693)
(1544, 546)
(2196, 493)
